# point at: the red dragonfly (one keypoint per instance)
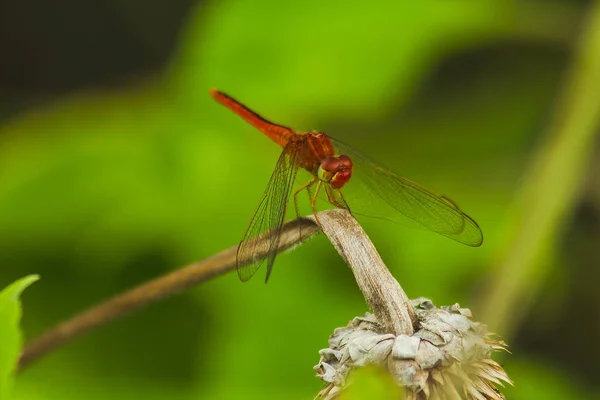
(335, 165)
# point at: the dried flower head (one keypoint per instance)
(447, 358)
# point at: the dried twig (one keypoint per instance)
(294, 233)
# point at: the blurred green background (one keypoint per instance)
(116, 166)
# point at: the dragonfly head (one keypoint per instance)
(335, 170)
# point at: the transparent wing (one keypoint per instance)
(261, 239)
(375, 191)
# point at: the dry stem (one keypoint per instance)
(150, 292)
(383, 293)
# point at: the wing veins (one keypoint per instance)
(268, 218)
(411, 200)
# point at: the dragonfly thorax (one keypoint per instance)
(335, 170)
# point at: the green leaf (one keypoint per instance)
(372, 383)
(538, 379)
(10, 334)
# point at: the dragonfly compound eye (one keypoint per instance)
(345, 162)
(344, 172)
(329, 166)
(335, 170)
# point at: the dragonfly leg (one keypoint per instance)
(332, 198)
(336, 198)
(296, 192)
(346, 206)
(313, 200)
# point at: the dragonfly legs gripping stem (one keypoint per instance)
(334, 196)
(313, 201)
(296, 192)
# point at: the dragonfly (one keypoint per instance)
(335, 168)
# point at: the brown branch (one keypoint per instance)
(293, 233)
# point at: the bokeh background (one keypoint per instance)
(116, 166)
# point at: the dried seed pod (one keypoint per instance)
(447, 357)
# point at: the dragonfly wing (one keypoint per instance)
(261, 239)
(383, 194)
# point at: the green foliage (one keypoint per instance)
(539, 379)
(10, 333)
(372, 383)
